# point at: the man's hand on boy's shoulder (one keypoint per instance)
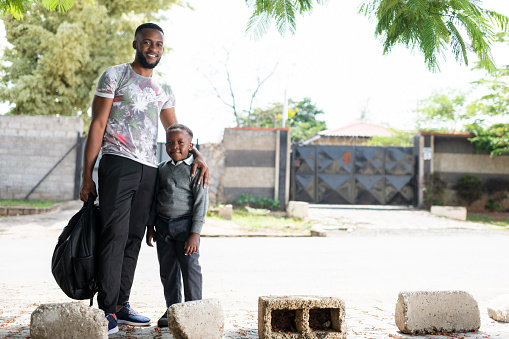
(192, 244)
(151, 235)
(199, 162)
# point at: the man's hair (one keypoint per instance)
(177, 127)
(147, 25)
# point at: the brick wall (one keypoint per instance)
(29, 147)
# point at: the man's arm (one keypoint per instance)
(100, 111)
(168, 118)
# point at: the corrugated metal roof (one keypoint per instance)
(358, 129)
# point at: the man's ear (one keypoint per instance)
(134, 44)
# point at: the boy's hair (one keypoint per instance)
(147, 25)
(176, 127)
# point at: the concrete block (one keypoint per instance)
(68, 321)
(297, 209)
(498, 308)
(226, 211)
(301, 317)
(201, 319)
(453, 212)
(437, 311)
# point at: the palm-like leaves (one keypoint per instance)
(431, 26)
(282, 11)
(18, 7)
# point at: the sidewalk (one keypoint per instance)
(369, 255)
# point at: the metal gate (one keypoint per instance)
(353, 175)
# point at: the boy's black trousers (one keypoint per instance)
(174, 266)
(126, 190)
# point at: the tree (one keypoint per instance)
(56, 58)
(18, 7)
(230, 99)
(302, 118)
(429, 26)
(443, 112)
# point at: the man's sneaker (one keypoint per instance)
(112, 323)
(163, 321)
(126, 315)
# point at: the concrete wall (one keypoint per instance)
(29, 147)
(256, 162)
(451, 156)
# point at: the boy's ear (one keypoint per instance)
(191, 145)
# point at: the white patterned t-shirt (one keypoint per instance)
(131, 130)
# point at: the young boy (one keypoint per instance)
(179, 212)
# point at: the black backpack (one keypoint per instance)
(74, 259)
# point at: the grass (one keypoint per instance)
(256, 222)
(23, 203)
(487, 220)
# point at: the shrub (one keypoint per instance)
(434, 191)
(247, 199)
(497, 189)
(469, 188)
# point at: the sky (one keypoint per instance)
(334, 59)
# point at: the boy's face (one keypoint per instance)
(178, 144)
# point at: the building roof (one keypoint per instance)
(357, 129)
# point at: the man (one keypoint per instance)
(128, 101)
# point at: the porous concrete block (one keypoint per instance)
(453, 212)
(437, 311)
(297, 209)
(226, 211)
(201, 319)
(498, 308)
(68, 321)
(301, 317)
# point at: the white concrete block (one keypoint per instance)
(201, 319)
(498, 308)
(437, 311)
(297, 209)
(68, 321)
(226, 211)
(453, 212)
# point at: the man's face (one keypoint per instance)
(149, 45)
(178, 144)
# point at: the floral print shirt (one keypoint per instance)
(131, 130)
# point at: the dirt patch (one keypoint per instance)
(495, 216)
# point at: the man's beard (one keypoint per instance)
(144, 61)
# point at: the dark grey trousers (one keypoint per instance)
(175, 266)
(126, 190)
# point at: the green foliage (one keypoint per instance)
(282, 11)
(398, 138)
(18, 7)
(56, 58)
(434, 189)
(497, 189)
(494, 139)
(469, 188)
(433, 27)
(25, 203)
(247, 199)
(302, 118)
(444, 111)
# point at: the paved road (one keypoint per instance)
(368, 257)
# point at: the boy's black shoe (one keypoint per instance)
(163, 321)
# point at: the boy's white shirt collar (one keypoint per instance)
(188, 161)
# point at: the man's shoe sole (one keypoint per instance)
(113, 330)
(132, 323)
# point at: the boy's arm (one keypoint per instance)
(192, 244)
(200, 206)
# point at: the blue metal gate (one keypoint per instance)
(353, 175)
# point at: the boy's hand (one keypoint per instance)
(151, 235)
(192, 244)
